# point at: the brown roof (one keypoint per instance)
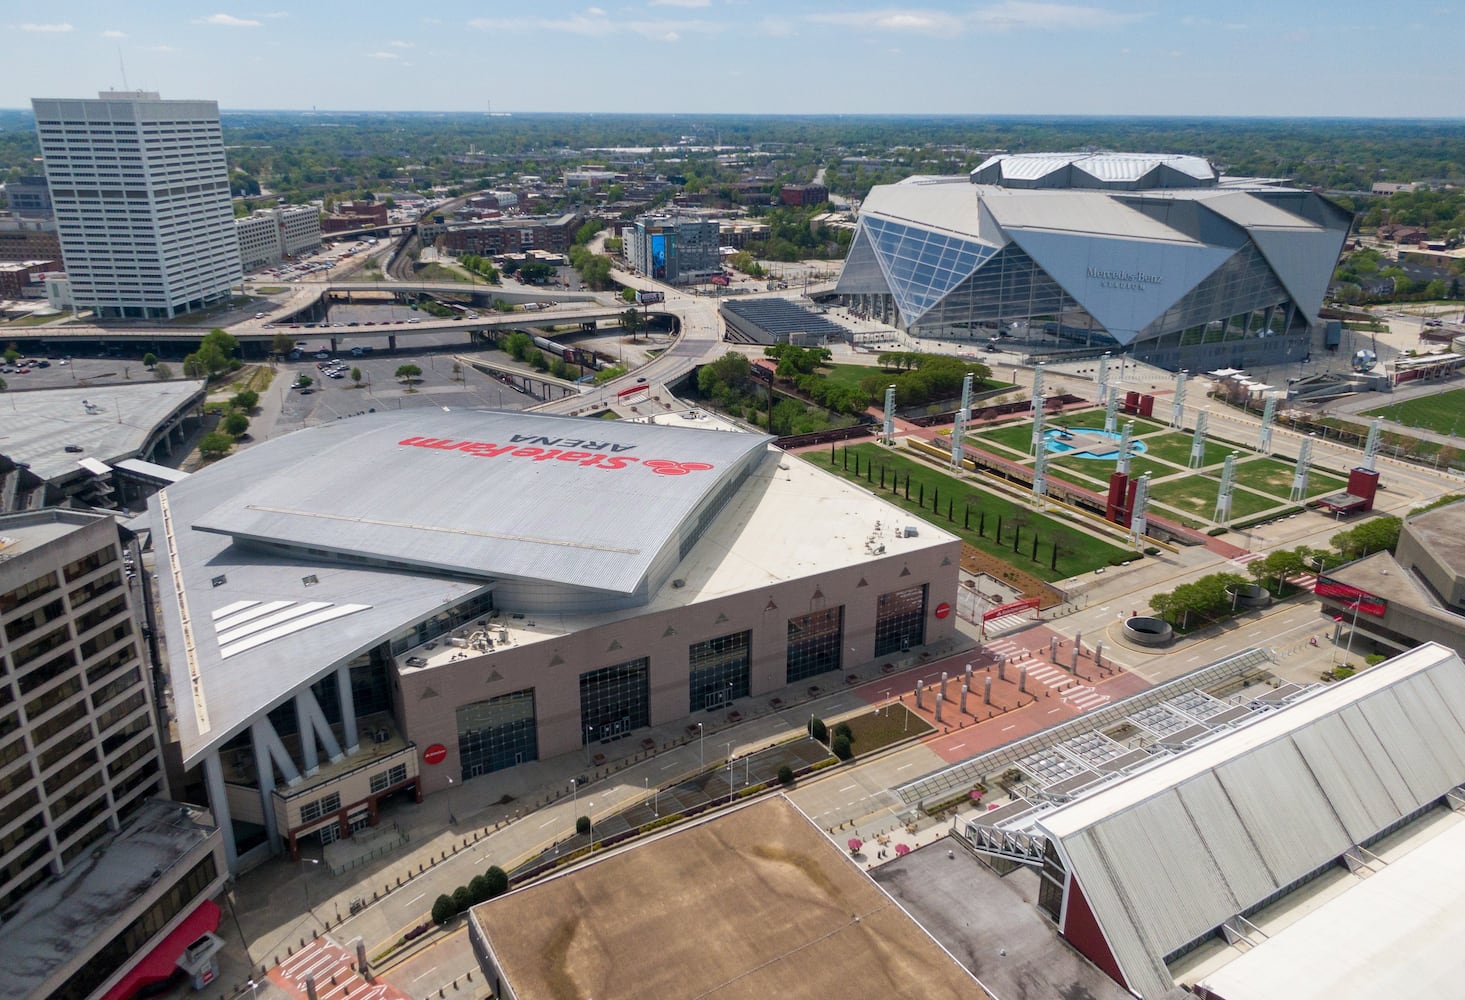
(754, 904)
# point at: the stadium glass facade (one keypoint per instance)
(1192, 274)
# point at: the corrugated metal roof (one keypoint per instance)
(1107, 167)
(1169, 854)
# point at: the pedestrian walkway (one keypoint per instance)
(324, 970)
(1247, 557)
(1007, 623)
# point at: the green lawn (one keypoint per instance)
(1175, 447)
(1440, 413)
(1014, 437)
(881, 727)
(1077, 553)
(1196, 496)
(34, 320)
(1098, 469)
(1269, 475)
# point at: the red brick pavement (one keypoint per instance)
(334, 969)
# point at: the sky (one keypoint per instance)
(1346, 58)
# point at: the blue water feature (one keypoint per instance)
(1089, 442)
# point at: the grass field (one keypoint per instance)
(1098, 469)
(1077, 553)
(883, 726)
(1439, 413)
(1196, 496)
(1016, 438)
(1275, 477)
(1175, 447)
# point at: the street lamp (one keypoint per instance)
(452, 817)
(886, 695)
(575, 798)
(1348, 651)
(590, 815)
(305, 878)
(701, 746)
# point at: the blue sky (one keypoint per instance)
(1113, 57)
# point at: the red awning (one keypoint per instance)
(159, 963)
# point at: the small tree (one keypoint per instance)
(149, 360)
(630, 321)
(582, 825)
(628, 294)
(443, 910)
(498, 881)
(785, 775)
(246, 400)
(215, 445)
(163, 372)
(462, 898)
(236, 423)
(356, 375)
(409, 373)
(478, 888)
(842, 748)
(844, 730)
(818, 730)
(303, 381)
(281, 343)
(12, 354)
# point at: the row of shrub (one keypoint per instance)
(493, 882)
(840, 742)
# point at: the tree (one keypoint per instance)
(498, 881)
(818, 730)
(149, 360)
(443, 910)
(12, 354)
(630, 321)
(842, 748)
(163, 372)
(409, 373)
(843, 729)
(628, 294)
(478, 888)
(303, 381)
(462, 898)
(536, 272)
(236, 423)
(215, 445)
(281, 343)
(582, 825)
(785, 775)
(245, 399)
(356, 375)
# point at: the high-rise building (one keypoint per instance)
(140, 190)
(673, 248)
(78, 744)
(269, 235)
(102, 880)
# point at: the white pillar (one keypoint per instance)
(213, 776)
(348, 709)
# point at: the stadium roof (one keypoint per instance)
(1164, 857)
(1095, 169)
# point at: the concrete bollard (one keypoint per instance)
(1053, 649)
(938, 706)
(1002, 669)
(1076, 650)
(1098, 654)
(1022, 680)
(943, 682)
(920, 694)
(968, 677)
(987, 692)
(964, 690)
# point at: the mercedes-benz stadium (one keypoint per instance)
(1157, 256)
(384, 605)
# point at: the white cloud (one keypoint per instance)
(1008, 15)
(595, 23)
(681, 3)
(382, 55)
(226, 21)
(112, 33)
(403, 45)
(1021, 14)
(47, 29)
(913, 21)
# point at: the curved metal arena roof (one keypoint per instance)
(369, 525)
(1100, 168)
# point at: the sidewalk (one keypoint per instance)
(508, 817)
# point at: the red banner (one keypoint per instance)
(1010, 608)
(1352, 597)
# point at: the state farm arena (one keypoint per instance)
(383, 605)
(1157, 256)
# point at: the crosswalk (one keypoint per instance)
(1303, 581)
(1247, 557)
(332, 972)
(1072, 691)
(1007, 623)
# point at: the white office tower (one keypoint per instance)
(141, 195)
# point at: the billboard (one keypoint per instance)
(658, 254)
(647, 297)
(1351, 596)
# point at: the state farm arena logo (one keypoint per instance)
(585, 453)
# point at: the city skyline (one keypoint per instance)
(1132, 57)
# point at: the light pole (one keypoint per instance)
(305, 878)
(701, 746)
(1348, 651)
(590, 815)
(886, 695)
(729, 771)
(575, 799)
(452, 817)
